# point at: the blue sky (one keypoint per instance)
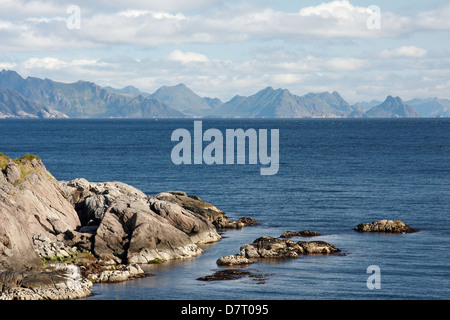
(220, 49)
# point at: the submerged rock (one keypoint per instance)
(385, 226)
(234, 274)
(304, 233)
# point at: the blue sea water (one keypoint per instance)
(333, 175)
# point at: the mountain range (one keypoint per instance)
(81, 99)
(44, 98)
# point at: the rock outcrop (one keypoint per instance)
(126, 225)
(385, 226)
(31, 203)
(210, 212)
(276, 248)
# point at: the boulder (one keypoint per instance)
(233, 260)
(385, 226)
(317, 247)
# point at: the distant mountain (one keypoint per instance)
(368, 105)
(267, 103)
(213, 102)
(128, 90)
(183, 99)
(84, 99)
(280, 103)
(14, 105)
(393, 108)
(432, 107)
(328, 105)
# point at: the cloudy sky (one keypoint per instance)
(363, 49)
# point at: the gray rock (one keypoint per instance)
(57, 285)
(13, 172)
(197, 205)
(31, 203)
(196, 226)
(385, 226)
(233, 260)
(268, 247)
(317, 247)
(127, 272)
(304, 233)
(154, 239)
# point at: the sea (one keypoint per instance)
(333, 175)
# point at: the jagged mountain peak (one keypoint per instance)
(393, 107)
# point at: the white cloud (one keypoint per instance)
(404, 52)
(286, 78)
(187, 57)
(317, 64)
(26, 9)
(343, 10)
(133, 13)
(153, 5)
(7, 65)
(86, 62)
(145, 25)
(51, 63)
(44, 63)
(435, 20)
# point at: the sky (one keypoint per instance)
(364, 49)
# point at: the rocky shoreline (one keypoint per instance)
(58, 238)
